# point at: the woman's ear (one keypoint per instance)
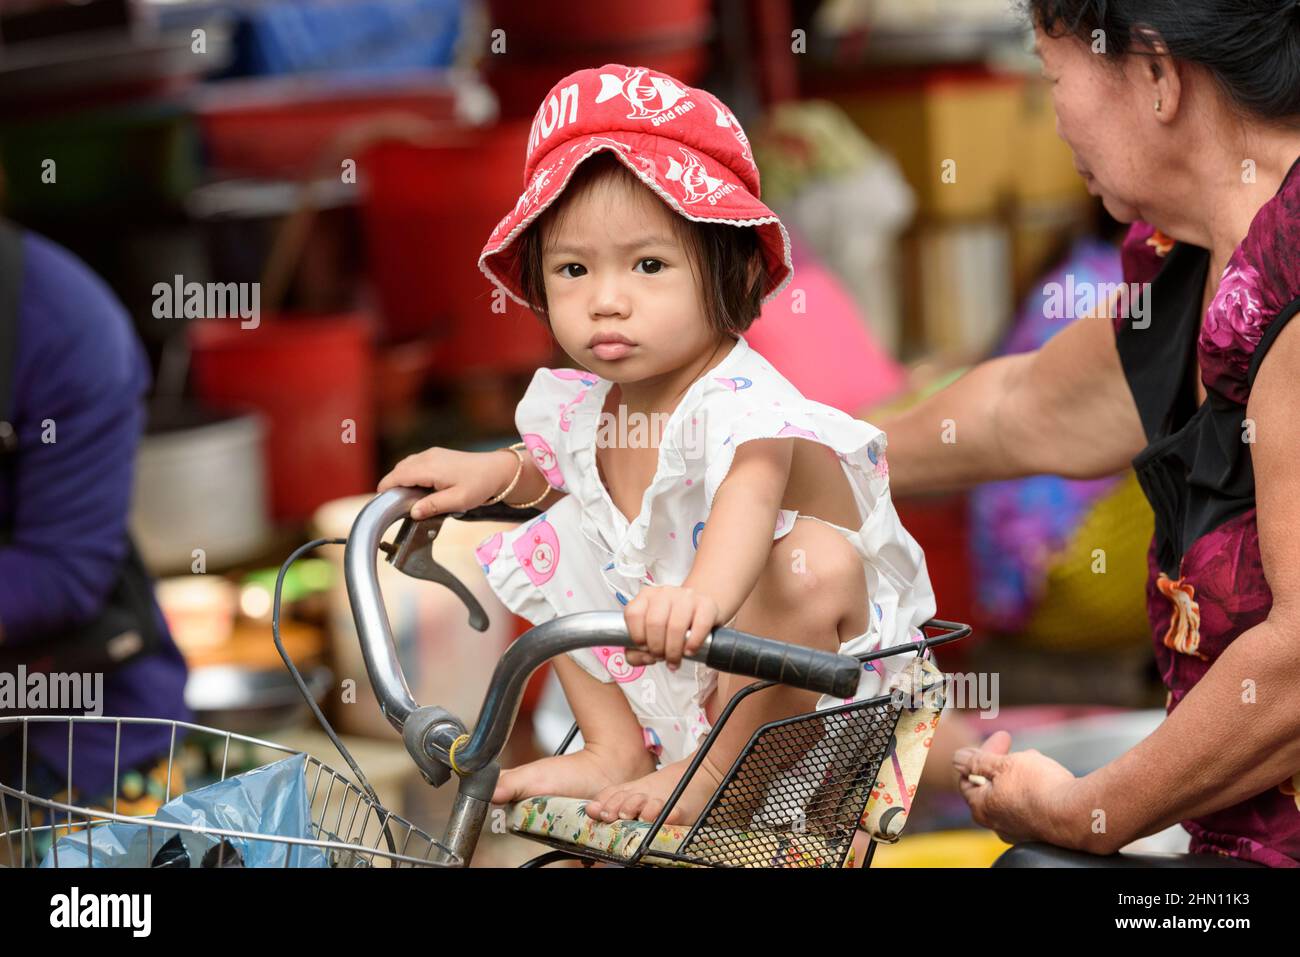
(1159, 74)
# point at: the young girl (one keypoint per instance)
(685, 481)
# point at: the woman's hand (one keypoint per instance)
(658, 619)
(461, 480)
(1026, 797)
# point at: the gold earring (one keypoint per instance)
(1157, 106)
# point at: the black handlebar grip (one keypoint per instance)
(500, 512)
(744, 654)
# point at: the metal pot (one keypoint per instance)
(247, 701)
(200, 483)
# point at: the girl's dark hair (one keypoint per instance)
(722, 257)
(1250, 47)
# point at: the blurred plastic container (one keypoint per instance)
(129, 159)
(586, 23)
(285, 126)
(427, 212)
(446, 661)
(200, 610)
(941, 526)
(544, 44)
(310, 378)
(191, 457)
(364, 35)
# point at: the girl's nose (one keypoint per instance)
(609, 298)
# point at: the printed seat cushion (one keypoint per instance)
(566, 819)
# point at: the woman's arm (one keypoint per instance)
(1235, 734)
(1065, 409)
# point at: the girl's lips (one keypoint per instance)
(611, 350)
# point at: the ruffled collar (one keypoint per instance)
(631, 557)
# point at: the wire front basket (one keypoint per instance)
(350, 828)
(796, 793)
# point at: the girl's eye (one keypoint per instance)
(658, 265)
(563, 270)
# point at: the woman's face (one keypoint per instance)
(1107, 119)
(613, 265)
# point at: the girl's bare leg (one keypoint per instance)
(613, 748)
(811, 592)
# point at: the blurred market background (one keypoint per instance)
(351, 157)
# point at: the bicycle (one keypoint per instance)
(861, 770)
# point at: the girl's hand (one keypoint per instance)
(658, 619)
(461, 480)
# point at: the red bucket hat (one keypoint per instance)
(681, 142)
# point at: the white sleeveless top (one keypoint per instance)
(582, 554)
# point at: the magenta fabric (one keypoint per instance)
(1220, 590)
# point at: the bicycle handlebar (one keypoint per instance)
(724, 649)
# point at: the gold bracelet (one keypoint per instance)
(518, 448)
(519, 470)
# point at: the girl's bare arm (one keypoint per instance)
(737, 537)
(465, 480)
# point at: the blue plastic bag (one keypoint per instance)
(269, 800)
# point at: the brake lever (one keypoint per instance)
(411, 553)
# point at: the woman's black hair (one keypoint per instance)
(1250, 47)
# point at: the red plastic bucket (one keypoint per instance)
(427, 212)
(310, 377)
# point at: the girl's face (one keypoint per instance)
(1106, 116)
(614, 269)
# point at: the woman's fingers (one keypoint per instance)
(986, 761)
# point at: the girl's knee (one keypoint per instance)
(813, 574)
(815, 562)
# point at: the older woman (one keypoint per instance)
(1185, 119)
